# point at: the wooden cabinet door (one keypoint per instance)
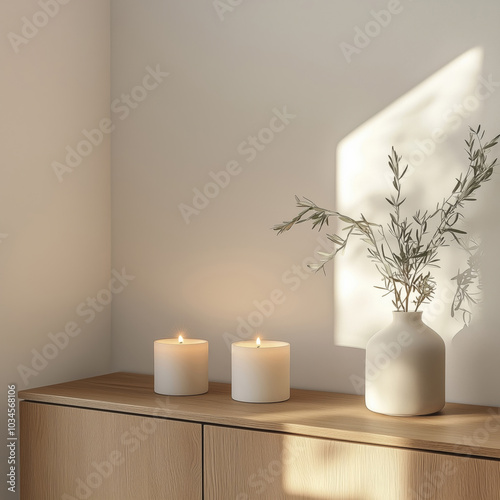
(74, 453)
(244, 464)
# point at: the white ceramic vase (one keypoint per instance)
(405, 368)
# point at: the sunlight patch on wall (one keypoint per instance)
(427, 127)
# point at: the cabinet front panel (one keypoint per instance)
(74, 453)
(244, 465)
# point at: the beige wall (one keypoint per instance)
(54, 84)
(301, 77)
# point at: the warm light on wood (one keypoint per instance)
(315, 445)
(311, 413)
(283, 466)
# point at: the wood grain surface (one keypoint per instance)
(461, 429)
(73, 453)
(246, 465)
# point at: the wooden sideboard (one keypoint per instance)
(112, 438)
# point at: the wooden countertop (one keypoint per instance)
(463, 429)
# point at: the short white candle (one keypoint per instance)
(180, 366)
(260, 373)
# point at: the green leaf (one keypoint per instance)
(345, 219)
(404, 254)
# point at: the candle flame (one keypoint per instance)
(181, 340)
(258, 341)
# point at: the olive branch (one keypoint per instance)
(403, 250)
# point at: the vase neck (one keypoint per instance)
(405, 317)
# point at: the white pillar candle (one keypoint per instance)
(180, 366)
(260, 374)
